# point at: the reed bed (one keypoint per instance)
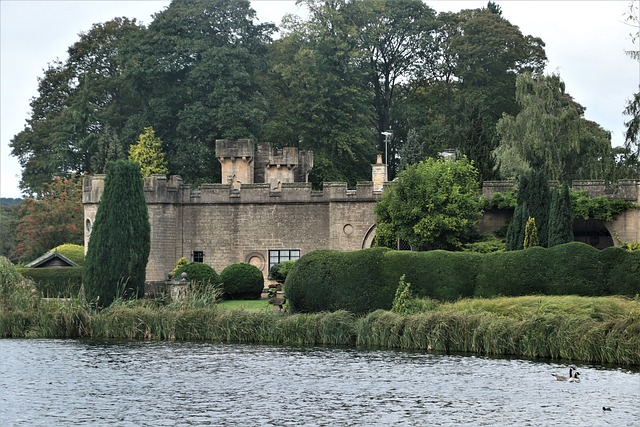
(601, 330)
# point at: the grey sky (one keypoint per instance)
(585, 44)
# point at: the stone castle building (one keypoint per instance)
(265, 211)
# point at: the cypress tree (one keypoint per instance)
(120, 238)
(560, 217)
(538, 199)
(531, 234)
(533, 200)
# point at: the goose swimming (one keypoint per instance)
(564, 377)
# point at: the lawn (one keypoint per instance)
(249, 305)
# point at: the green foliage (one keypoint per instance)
(148, 154)
(533, 200)
(80, 118)
(366, 280)
(550, 133)
(440, 275)
(623, 272)
(8, 228)
(53, 282)
(16, 291)
(501, 200)
(280, 271)
(202, 274)
(242, 281)
(600, 208)
(182, 262)
(120, 238)
(326, 280)
(432, 205)
(515, 231)
(531, 234)
(486, 245)
(74, 252)
(560, 217)
(403, 296)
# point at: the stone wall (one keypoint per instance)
(231, 226)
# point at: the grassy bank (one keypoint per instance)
(585, 329)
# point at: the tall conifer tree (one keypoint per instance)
(120, 238)
(560, 217)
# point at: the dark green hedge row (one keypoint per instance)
(366, 280)
(57, 282)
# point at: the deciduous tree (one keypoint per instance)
(433, 204)
(53, 218)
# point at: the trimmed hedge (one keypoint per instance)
(242, 281)
(328, 280)
(440, 275)
(363, 281)
(55, 282)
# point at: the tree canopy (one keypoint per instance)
(433, 204)
(550, 133)
(148, 153)
(53, 218)
(332, 83)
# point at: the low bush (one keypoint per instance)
(202, 277)
(242, 281)
(55, 282)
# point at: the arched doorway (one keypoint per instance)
(592, 232)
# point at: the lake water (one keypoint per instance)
(76, 382)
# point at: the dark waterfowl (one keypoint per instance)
(564, 377)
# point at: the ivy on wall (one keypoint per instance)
(584, 207)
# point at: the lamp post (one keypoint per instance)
(388, 134)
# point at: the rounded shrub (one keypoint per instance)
(200, 274)
(242, 281)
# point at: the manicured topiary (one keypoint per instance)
(363, 281)
(200, 274)
(55, 282)
(440, 275)
(242, 281)
(327, 280)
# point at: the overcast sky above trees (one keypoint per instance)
(585, 44)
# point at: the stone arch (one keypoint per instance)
(593, 232)
(369, 237)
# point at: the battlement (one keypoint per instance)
(624, 189)
(160, 190)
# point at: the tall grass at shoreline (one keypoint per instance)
(586, 329)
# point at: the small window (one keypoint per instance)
(198, 256)
(276, 256)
